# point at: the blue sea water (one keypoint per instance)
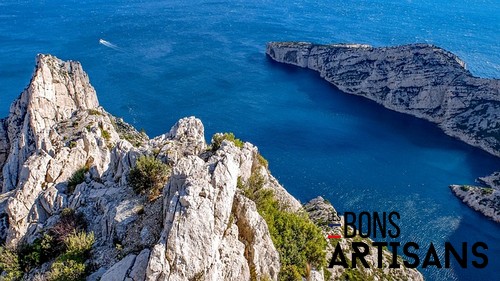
(206, 58)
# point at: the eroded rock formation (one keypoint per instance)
(202, 227)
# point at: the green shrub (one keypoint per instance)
(262, 161)
(149, 176)
(218, 138)
(94, 112)
(351, 274)
(35, 254)
(69, 222)
(67, 271)
(72, 144)
(486, 190)
(71, 264)
(253, 189)
(78, 247)
(77, 178)
(327, 274)
(10, 268)
(465, 188)
(298, 240)
(106, 135)
(59, 239)
(290, 273)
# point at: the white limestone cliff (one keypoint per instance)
(202, 227)
(418, 79)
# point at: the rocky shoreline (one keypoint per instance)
(418, 79)
(66, 167)
(481, 199)
(421, 80)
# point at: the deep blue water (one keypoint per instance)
(206, 58)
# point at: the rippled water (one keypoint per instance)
(174, 59)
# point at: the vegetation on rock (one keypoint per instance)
(149, 176)
(77, 178)
(66, 240)
(299, 241)
(106, 135)
(71, 264)
(218, 138)
(262, 161)
(94, 112)
(69, 222)
(10, 268)
(35, 254)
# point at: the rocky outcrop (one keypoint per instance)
(59, 88)
(202, 227)
(420, 79)
(492, 180)
(37, 137)
(485, 200)
(323, 213)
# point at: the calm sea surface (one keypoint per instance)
(171, 59)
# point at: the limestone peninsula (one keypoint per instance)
(418, 79)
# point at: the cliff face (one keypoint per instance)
(484, 200)
(421, 80)
(193, 231)
(201, 227)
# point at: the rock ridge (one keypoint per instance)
(201, 227)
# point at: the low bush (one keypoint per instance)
(218, 138)
(262, 161)
(65, 238)
(94, 112)
(66, 241)
(36, 253)
(67, 271)
(77, 178)
(487, 191)
(71, 264)
(106, 135)
(78, 247)
(10, 268)
(69, 222)
(72, 144)
(299, 241)
(465, 188)
(149, 176)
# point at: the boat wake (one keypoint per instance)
(110, 45)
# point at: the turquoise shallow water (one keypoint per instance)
(206, 58)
